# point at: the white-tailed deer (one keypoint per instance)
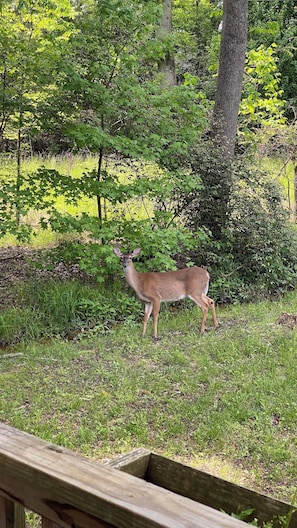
(154, 287)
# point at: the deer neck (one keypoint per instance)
(132, 276)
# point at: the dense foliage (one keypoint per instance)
(256, 254)
(274, 23)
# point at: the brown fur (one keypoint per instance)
(155, 287)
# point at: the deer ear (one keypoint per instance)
(136, 252)
(117, 252)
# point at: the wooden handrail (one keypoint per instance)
(207, 489)
(72, 491)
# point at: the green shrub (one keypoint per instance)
(257, 253)
(264, 242)
(205, 203)
(251, 250)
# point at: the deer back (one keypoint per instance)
(168, 285)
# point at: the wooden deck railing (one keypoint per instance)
(69, 491)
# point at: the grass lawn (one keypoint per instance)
(75, 166)
(224, 402)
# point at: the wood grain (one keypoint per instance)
(215, 492)
(135, 463)
(12, 514)
(76, 492)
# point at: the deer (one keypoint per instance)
(152, 288)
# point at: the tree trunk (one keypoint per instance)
(295, 190)
(18, 175)
(230, 75)
(99, 197)
(166, 66)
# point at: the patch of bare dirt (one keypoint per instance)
(19, 264)
(288, 320)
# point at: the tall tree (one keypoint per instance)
(230, 75)
(31, 40)
(110, 102)
(31, 36)
(166, 64)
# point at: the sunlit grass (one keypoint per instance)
(75, 166)
(72, 165)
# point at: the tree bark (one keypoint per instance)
(166, 66)
(230, 74)
(295, 191)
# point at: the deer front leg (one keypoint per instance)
(156, 311)
(147, 312)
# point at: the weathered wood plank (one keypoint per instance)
(19, 516)
(215, 492)
(73, 491)
(6, 513)
(135, 463)
(12, 515)
(46, 523)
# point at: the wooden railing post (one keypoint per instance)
(12, 515)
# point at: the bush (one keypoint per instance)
(257, 253)
(204, 202)
(264, 242)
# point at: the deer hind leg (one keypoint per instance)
(147, 312)
(205, 303)
(211, 305)
(204, 308)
